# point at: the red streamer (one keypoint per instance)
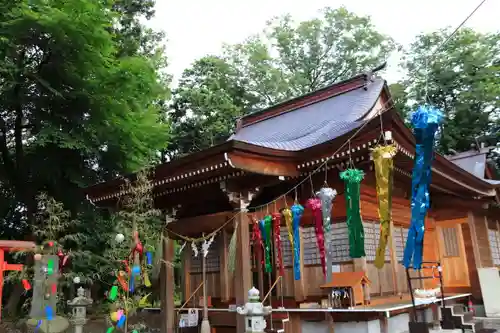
(257, 242)
(277, 239)
(121, 280)
(137, 249)
(315, 205)
(63, 259)
(54, 288)
(26, 285)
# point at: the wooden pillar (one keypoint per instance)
(294, 325)
(243, 272)
(225, 275)
(186, 276)
(300, 291)
(475, 247)
(167, 277)
(394, 260)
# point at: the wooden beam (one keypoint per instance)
(167, 297)
(475, 246)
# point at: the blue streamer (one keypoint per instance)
(262, 230)
(131, 284)
(297, 211)
(121, 321)
(425, 121)
(49, 313)
(38, 325)
(149, 258)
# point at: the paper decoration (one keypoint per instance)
(276, 218)
(195, 249)
(119, 238)
(352, 179)
(265, 229)
(149, 258)
(110, 329)
(206, 245)
(138, 249)
(121, 321)
(257, 243)
(50, 267)
(287, 216)
(76, 280)
(113, 293)
(26, 284)
(384, 167)
(182, 247)
(326, 195)
(145, 277)
(297, 211)
(425, 122)
(49, 314)
(314, 204)
(232, 249)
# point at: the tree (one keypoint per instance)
(75, 108)
(209, 99)
(286, 60)
(462, 79)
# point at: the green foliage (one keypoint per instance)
(75, 108)
(286, 60)
(462, 79)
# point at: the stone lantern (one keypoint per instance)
(254, 312)
(78, 307)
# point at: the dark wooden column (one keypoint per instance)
(243, 272)
(167, 286)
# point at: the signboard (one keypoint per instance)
(189, 319)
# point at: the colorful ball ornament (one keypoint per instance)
(114, 316)
(119, 238)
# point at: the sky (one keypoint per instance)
(196, 28)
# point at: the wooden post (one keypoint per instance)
(475, 246)
(167, 279)
(243, 273)
(225, 276)
(186, 276)
(394, 260)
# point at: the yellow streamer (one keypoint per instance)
(384, 167)
(144, 301)
(145, 277)
(287, 214)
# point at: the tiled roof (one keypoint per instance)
(315, 123)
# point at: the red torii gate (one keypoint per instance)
(9, 245)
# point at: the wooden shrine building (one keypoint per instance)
(273, 150)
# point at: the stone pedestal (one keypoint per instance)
(43, 296)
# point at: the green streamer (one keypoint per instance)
(113, 293)
(50, 266)
(352, 179)
(268, 220)
(110, 329)
(232, 250)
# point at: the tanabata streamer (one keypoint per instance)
(50, 267)
(326, 195)
(232, 249)
(425, 122)
(257, 243)
(121, 321)
(113, 293)
(297, 211)
(287, 215)
(49, 313)
(26, 284)
(149, 258)
(277, 238)
(384, 167)
(352, 179)
(110, 329)
(315, 205)
(265, 229)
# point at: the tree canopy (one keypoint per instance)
(80, 100)
(462, 78)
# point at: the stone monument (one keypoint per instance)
(43, 313)
(254, 312)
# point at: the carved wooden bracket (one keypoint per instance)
(239, 199)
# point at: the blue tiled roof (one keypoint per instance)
(313, 124)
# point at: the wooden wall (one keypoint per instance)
(391, 279)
